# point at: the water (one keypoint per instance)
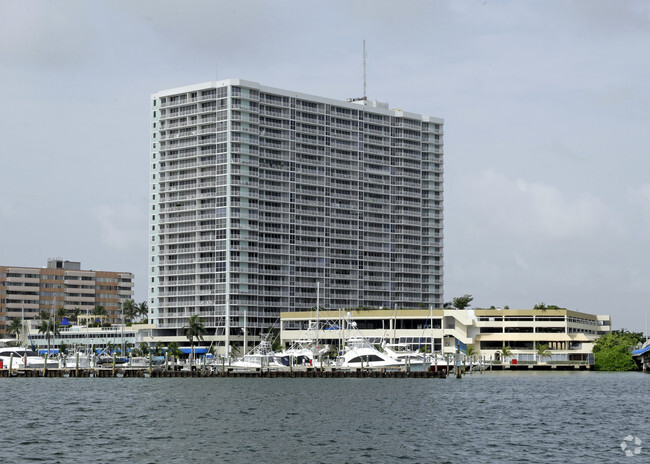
(564, 417)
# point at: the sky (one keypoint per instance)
(546, 107)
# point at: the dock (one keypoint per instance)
(330, 373)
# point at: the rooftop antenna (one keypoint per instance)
(364, 70)
(364, 98)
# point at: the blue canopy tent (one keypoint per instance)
(65, 322)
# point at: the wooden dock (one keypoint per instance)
(227, 372)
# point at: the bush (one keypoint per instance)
(613, 351)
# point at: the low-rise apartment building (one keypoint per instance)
(25, 291)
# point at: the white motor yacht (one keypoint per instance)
(403, 353)
(302, 353)
(24, 358)
(360, 353)
(260, 357)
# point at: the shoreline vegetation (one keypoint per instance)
(613, 351)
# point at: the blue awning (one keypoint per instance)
(197, 350)
(65, 321)
(641, 351)
(52, 351)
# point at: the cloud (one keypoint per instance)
(121, 227)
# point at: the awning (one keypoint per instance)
(65, 321)
(52, 351)
(197, 350)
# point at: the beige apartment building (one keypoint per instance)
(569, 335)
(25, 291)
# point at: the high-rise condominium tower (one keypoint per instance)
(266, 200)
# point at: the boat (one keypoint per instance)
(23, 358)
(360, 353)
(78, 359)
(302, 353)
(403, 352)
(260, 357)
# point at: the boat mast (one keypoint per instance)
(317, 308)
(395, 324)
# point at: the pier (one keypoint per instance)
(330, 373)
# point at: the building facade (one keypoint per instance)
(25, 291)
(264, 200)
(569, 335)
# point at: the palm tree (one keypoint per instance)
(15, 327)
(143, 309)
(196, 329)
(48, 327)
(142, 350)
(61, 313)
(130, 310)
(174, 351)
(470, 352)
(234, 350)
(158, 349)
(543, 351)
(505, 352)
(100, 312)
(75, 314)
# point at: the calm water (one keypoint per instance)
(576, 417)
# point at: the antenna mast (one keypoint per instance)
(365, 97)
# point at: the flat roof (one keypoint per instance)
(366, 105)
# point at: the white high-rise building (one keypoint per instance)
(266, 200)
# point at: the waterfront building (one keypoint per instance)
(25, 291)
(84, 337)
(264, 200)
(569, 335)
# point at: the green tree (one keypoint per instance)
(194, 329)
(234, 349)
(470, 352)
(174, 351)
(143, 310)
(50, 328)
(613, 351)
(158, 349)
(75, 314)
(100, 313)
(61, 313)
(543, 351)
(462, 302)
(142, 350)
(505, 353)
(130, 310)
(15, 327)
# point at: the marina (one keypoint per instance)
(229, 372)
